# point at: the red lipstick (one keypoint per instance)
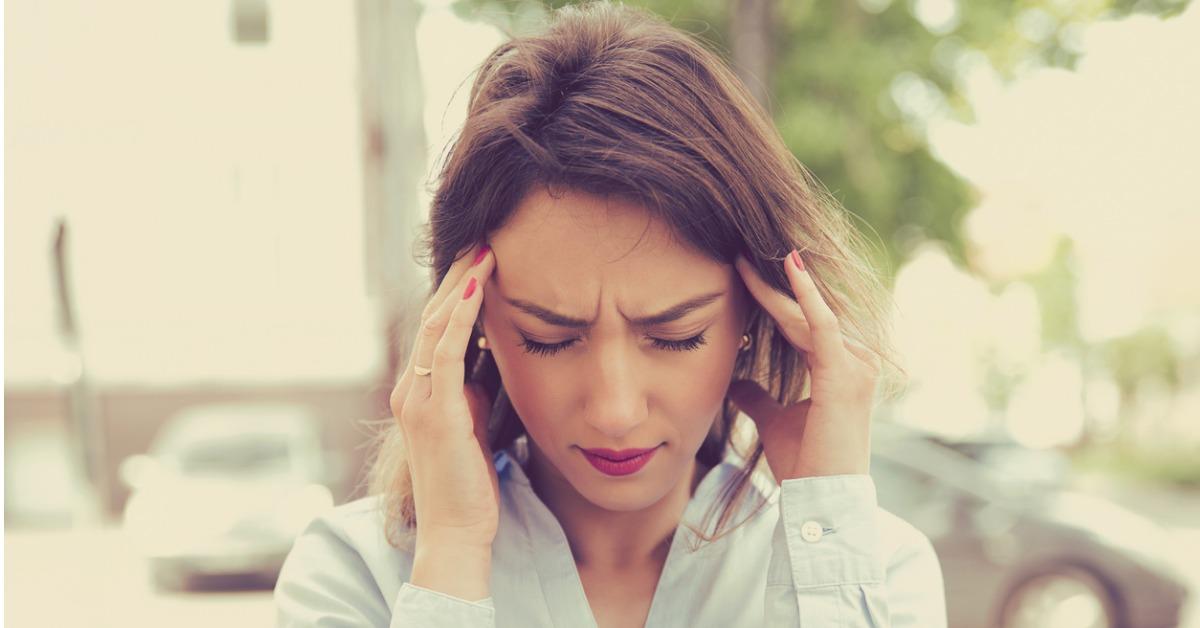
(623, 462)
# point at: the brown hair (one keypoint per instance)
(611, 100)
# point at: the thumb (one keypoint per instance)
(755, 402)
(480, 404)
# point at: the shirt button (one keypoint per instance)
(811, 531)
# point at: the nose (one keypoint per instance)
(616, 401)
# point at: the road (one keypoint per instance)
(92, 578)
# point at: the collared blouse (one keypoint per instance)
(820, 554)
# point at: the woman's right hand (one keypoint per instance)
(444, 421)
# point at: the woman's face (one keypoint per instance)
(573, 277)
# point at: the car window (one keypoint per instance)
(240, 457)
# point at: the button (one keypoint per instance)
(811, 531)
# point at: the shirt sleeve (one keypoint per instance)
(418, 606)
(326, 583)
(827, 568)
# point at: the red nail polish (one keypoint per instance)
(470, 289)
(797, 260)
(482, 253)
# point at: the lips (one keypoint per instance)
(618, 455)
(633, 460)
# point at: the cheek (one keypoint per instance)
(695, 393)
(692, 392)
(533, 392)
(534, 387)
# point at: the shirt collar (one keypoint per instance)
(503, 463)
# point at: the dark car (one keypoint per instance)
(1019, 553)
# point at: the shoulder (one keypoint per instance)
(343, 552)
(916, 589)
(354, 528)
(360, 523)
(901, 542)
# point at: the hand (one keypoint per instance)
(829, 432)
(455, 488)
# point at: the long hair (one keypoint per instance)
(612, 101)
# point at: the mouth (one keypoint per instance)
(618, 455)
(606, 461)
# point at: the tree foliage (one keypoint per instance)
(853, 84)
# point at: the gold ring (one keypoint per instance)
(420, 370)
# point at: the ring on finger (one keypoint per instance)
(421, 370)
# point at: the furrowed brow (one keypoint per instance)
(673, 313)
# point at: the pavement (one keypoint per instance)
(91, 577)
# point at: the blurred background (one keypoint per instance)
(208, 227)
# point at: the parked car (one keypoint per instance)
(1022, 553)
(1011, 462)
(225, 489)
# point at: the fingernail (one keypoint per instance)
(470, 289)
(482, 253)
(796, 258)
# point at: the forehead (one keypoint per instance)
(571, 244)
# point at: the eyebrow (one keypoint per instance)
(673, 313)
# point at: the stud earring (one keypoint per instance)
(745, 342)
(482, 343)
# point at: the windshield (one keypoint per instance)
(258, 456)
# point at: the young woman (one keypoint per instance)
(626, 256)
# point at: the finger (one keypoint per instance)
(454, 275)
(789, 318)
(452, 279)
(792, 324)
(480, 403)
(755, 402)
(434, 326)
(825, 331)
(448, 359)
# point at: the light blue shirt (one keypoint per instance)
(820, 554)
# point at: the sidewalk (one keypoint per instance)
(89, 577)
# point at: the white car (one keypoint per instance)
(225, 489)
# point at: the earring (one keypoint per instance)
(745, 342)
(482, 343)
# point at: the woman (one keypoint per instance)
(626, 255)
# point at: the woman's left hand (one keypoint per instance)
(827, 433)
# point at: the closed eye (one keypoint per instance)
(545, 349)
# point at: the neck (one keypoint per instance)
(603, 539)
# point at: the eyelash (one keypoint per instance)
(539, 348)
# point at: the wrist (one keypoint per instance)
(461, 570)
(453, 542)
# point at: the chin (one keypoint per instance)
(630, 497)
